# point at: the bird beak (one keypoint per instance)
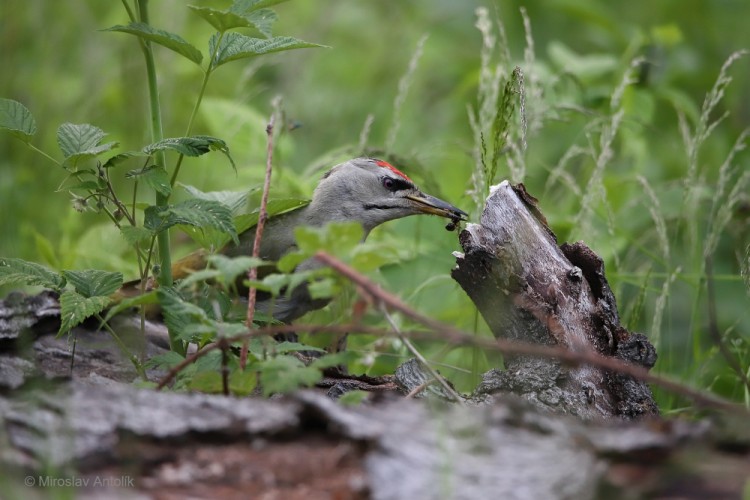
(426, 204)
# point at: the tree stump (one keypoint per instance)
(529, 289)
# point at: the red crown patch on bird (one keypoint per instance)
(393, 169)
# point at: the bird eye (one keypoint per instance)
(388, 183)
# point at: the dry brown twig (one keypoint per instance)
(252, 274)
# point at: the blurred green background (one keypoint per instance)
(57, 62)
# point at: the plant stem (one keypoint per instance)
(132, 357)
(157, 134)
(252, 274)
(206, 75)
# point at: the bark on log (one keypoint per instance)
(529, 289)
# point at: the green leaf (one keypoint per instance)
(189, 146)
(244, 7)
(232, 267)
(134, 235)
(262, 20)
(208, 382)
(235, 200)
(119, 158)
(282, 374)
(179, 314)
(74, 308)
(165, 361)
(368, 257)
(290, 261)
(354, 398)
(242, 383)
(148, 298)
(164, 38)
(198, 213)
(222, 20)
(234, 46)
(323, 288)
(93, 282)
(81, 141)
(156, 177)
(274, 207)
(17, 119)
(18, 271)
(339, 238)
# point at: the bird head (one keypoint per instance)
(371, 192)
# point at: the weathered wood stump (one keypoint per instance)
(529, 289)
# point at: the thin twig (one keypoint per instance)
(252, 274)
(415, 352)
(224, 367)
(713, 326)
(421, 387)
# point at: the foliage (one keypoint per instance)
(627, 125)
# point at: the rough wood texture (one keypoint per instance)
(530, 289)
(118, 441)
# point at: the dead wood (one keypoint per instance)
(529, 289)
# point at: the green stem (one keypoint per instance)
(206, 75)
(194, 113)
(34, 148)
(157, 134)
(131, 357)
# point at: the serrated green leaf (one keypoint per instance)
(275, 282)
(242, 383)
(134, 235)
(366, 258)
(208, 382)
(274, 207)
(282, 374)
(244, 7)
(197, 277)
(233, 46)
(189, 146)
(222, 20)
(323, 289)
(156, 177)
(339, 238)
(81, 141)
(232, 267)
(18, 271)
(94, 282)
(85, 185)
(209, 362)
(246, 14)
(165, 361)
(290, 261)
(198, 213)
(17, 119)
(197, 332)
(164, 38)
(148, 298)
(74, 308)
(178, 313)
(119, 158)
(235, 200)
(262, 20)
